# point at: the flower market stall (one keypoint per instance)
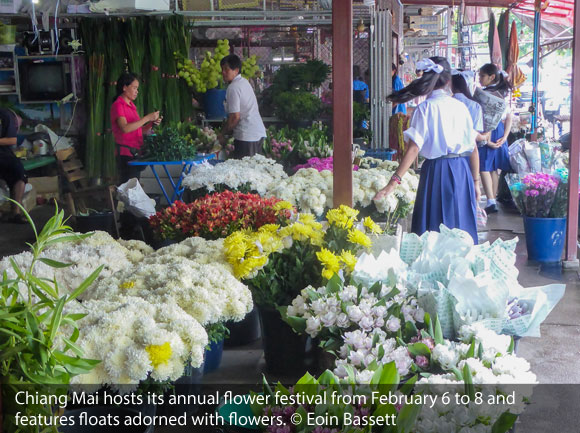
(364, 326)
(406, 317)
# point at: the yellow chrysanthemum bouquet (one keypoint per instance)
(278, 262)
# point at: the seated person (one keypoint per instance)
(11, 169)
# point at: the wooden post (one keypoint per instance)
(342, 101)
(571, 259)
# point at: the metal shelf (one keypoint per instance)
(6, 69)
(43, 102)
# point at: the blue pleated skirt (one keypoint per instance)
(494, 159)
(446, 195)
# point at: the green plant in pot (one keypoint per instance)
(297, 107)
(38, 338)
(291, 93)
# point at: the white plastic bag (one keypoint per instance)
(136, 201)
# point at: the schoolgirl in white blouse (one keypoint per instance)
(494, 155)
(441, 131)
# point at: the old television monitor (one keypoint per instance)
(44, 80)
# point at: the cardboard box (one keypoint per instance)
(46, 187)
(10, 6)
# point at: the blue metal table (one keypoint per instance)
(185, 170)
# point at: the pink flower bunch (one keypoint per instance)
(536, 184)
(279, 149)
(534, 195)
(320, 164)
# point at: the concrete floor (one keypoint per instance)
(553, 357)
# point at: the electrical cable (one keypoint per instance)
(69, 124)
(34, 24)
(56, 38)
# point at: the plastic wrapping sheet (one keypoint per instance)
(386, 242)
(543, 299)
(386, 267)
(439, 301)
(462, 283)
(534, 157)
(411, 247)
(518, 159)
(478, 298)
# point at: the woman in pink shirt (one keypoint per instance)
(127, 127)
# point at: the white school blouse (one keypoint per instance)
(474, 109)
(441, 125)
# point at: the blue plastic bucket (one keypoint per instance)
(213, 356)
(213, 104)
(384, 154)
(545, 238)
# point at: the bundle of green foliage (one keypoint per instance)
(168, 144)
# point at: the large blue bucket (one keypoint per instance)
(545, 238)
(213, 104)
(213, 356)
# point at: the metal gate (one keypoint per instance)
(381, 81)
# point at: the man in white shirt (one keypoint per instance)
(244, 118)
